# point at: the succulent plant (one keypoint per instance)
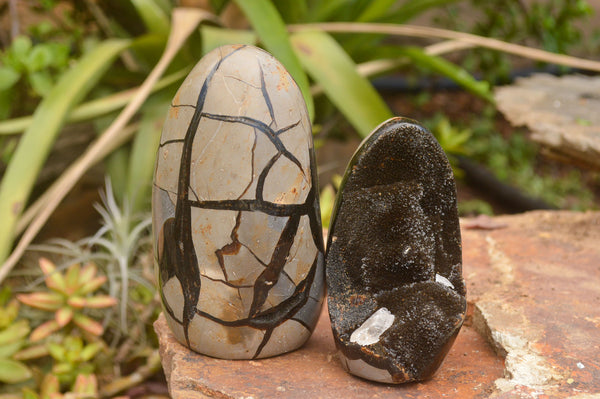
(72, 358)
(12, 339)
(69, 295)
(85, 386)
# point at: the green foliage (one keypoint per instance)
(513, 160)
(550, 24)
(270, 28)
(72, 357)
(51, 70)
(450, 70)
(69, 295)
(474, 207)
(453, 140)
(67, 298)
(351, 93)
(85, 386)
(37, 141)
(121, 236)
(327, 200)
(36, 65)
(13, 335)
(71, 337)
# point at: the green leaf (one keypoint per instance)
(12, 371)
(87, 324)
(20, 48)
(292, 11)
(59, 53)
(31, 352)
(218, 5)
(44, 330)
(8, 77)
(41, 82)
(213, 37)
(90, 351)
(326, 201)
(57, 351)
(412, 8)
(38, 58)
(116, 165)
(7, 350)
(375, 10)
(272, 32)
(154, 17)
(143, 155)
(15, 332)
(321, 11)
(6, 104)
(36, 142)
(95, 108)
(351, 93)
(29, 394)
(450, 70)
(165, 5)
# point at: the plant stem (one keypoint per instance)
(475, 40)
(379, 66)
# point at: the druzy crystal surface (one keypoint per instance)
(396, 295)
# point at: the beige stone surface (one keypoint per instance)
(235, 214)
(562, 113)
(533, 328)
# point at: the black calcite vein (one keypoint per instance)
(177, 256)
(394, 243)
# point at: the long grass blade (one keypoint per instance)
(95, 108)
(213, 37)
(184, 22)
(351, 93)
(154, 17)
(271, 30)
(37, 141)
(450, 70)
(143, 155)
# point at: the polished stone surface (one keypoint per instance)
(237, 231)
(394, 245)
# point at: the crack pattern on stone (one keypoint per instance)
(178, 259)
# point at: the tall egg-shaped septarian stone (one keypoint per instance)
(237, 232)
(396, 295)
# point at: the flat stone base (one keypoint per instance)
(533, 327)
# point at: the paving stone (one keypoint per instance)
(532, 329)
(562, 113)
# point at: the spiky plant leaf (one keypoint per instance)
(12, 371)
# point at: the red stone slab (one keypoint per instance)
(314, 372)
(534, 294)
(535, 288)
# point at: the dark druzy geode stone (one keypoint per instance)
(395, 289)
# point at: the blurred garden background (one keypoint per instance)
(85, 86)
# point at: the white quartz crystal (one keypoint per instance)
(370, 331)
(443, 280)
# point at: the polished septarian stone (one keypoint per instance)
(237, 231)
(396, 295)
